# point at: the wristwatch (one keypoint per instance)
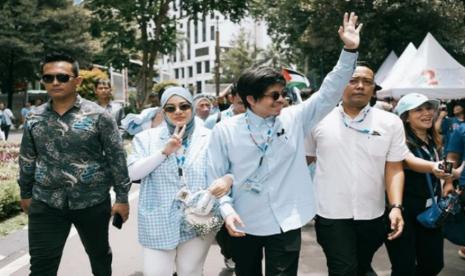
(392, 206)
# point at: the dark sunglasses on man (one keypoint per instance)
(170, 108)
(62, 78)
(275, 94)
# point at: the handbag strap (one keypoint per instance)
(428, 180)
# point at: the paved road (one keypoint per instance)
(127, 254)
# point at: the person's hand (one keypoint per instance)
(448, 188)
(221, 186)
(397, 223)
(349, 32)
(230, 223)
(439, 172)
(122, 209)
(175, 141)
(442, 113)
(25, 203)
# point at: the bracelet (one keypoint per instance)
(399, 206)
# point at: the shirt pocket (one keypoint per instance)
(376, 146)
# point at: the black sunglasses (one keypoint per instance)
(62, 78)
(275, 94)
(172, 108)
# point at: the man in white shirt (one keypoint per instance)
(263, 149)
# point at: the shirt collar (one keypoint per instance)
(359, 115)
(76, 104)
(259, 121)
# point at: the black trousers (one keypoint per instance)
(224, 240)
(419, 251)
(349, 245)
(281, 254)
(6, 130)
(50, 227)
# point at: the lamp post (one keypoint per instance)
(217, 58)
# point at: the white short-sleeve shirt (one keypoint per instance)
(349, 178)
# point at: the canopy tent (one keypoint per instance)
(397, 70)
(432, 72)
(386, 67)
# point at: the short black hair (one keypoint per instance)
(254, 82)
(102, 82)
(60, 56)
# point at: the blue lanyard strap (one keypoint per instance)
(181, 156)
(348, 124)
(269, 137)
(428, 177)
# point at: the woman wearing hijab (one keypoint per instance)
(171, 160)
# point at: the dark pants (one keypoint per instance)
(419, 251)
(281, 254)
(349, 245)
(49, 228)
(6, 130)
(224, 240)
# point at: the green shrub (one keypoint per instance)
(9, 199)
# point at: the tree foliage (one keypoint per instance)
(309, 28)
(144, 29)
(30, 28)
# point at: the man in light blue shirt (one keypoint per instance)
(272, 197)
(236, 107)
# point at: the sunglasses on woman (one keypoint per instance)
(170, 108)
(62, 78)
(275, 94)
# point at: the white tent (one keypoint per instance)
(386, 67)
(398, 70)
(432, 72)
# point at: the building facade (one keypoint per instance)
(192, 64)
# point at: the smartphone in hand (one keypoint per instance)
(117, 221)
(446, 166)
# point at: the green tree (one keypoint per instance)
(310, 28)
(29, 29)
(146, 29)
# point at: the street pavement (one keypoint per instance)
(127, 253)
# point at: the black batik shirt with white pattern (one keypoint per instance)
(72, 160)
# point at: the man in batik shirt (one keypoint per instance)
(71, 154)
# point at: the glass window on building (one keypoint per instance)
(191, 71)
(204, 29)
(212, 32)
(182, 72)
(199, 86)
(176, 73)
(207, 66)
(199, 67)
(196, 32)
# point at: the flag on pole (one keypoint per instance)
(295, 79)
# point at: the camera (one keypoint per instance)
(446, 166)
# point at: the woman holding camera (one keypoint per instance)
(171, 160)
(420, 250)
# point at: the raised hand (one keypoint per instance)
(175, 141)
(349, 32)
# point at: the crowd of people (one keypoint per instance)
(240, 174)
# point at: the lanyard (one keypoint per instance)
(269, 137)
(181, 156)
(348, 124)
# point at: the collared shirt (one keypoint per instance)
(116, 110)
(72, 160)
(350, 164)
(160, 215)
(6, 117)
(212, 120)
(286, 199)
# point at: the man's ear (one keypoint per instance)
(78, 80)
(250, 99)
